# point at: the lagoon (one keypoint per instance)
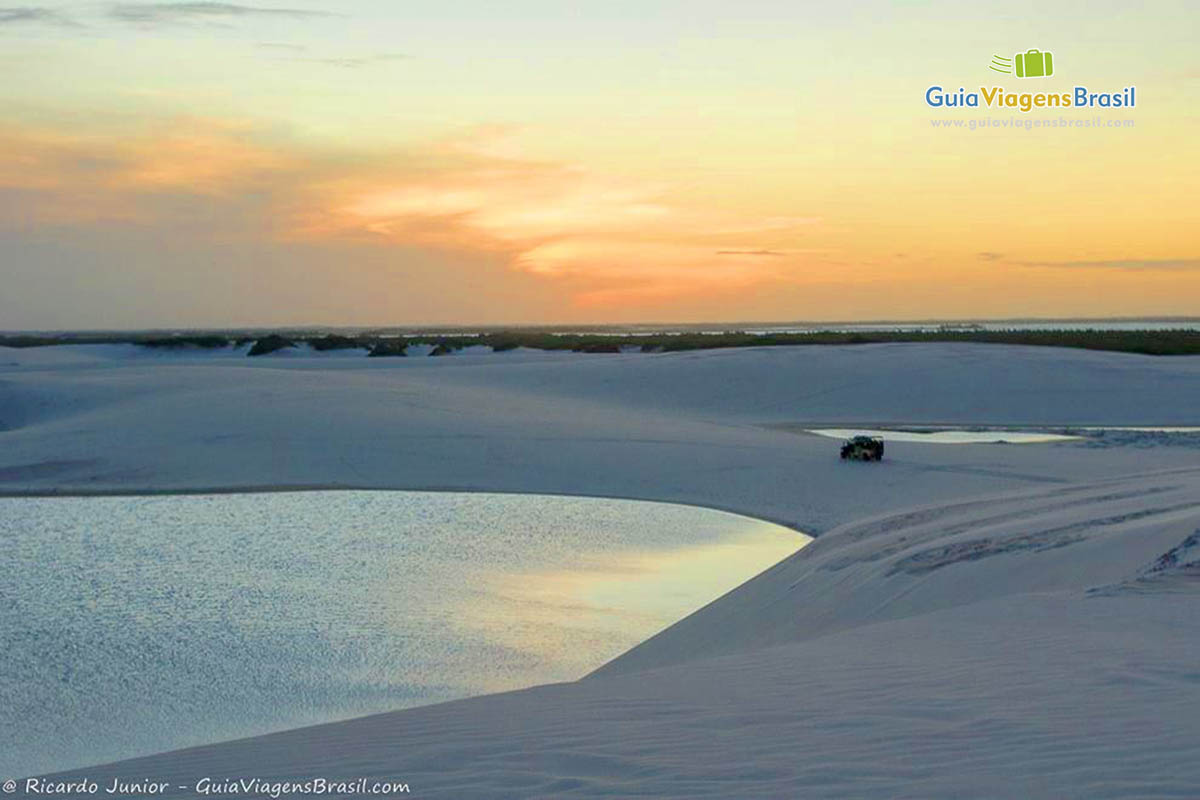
(133, 625)
(947, 436)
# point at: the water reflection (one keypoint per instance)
(621, 599)
(131, 625)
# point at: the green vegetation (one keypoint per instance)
(1149, 342)
(334, 342)
(1174, 342)
(185, 342)
(388, 347)
(269, 344)
(599, 347)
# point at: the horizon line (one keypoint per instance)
(583, 326)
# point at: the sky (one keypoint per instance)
(372, 162)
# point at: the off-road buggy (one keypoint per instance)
(863, 448)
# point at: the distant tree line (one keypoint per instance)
(1148, 342)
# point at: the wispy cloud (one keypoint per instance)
(988, 256)
(73, 178)
(558, 221)
(606, 239)
(346, 62)
(168, 13)
(283, 47)
(35, 14)
(1123, 264)
(355, 62)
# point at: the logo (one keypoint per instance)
(1030, 64)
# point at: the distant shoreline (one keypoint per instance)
(1146, 341)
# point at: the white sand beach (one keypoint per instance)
(975, 620)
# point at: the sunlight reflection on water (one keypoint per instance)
(131, 625)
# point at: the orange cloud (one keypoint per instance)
(69, 178)
(201, 156)
(561, 221)
(209, 160)
(620, 238)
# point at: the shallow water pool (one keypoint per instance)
(946, 436)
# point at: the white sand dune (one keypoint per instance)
(689, 427)
(1027, 629)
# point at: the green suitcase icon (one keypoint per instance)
(1035, 64)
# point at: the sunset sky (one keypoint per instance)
(382, 162)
